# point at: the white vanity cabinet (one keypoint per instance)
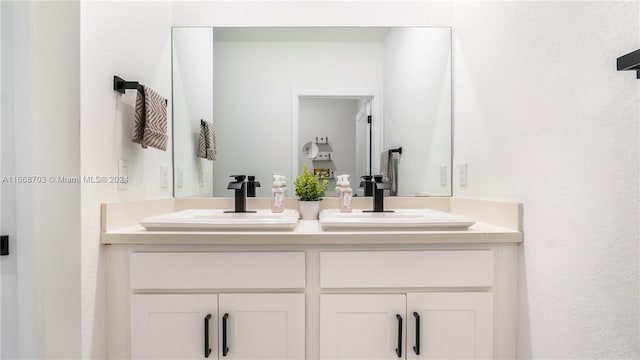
(172, 326)
(310, 293)
(410, 326)
(450, 325)
(408, 321)
(226, 324)
(362, 326)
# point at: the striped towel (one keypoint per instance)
(150, 123)
(207, 144)
(389, 170)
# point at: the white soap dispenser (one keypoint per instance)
(277, 193)
(345, 194)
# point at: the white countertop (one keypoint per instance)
(309, 232)
(120, 227)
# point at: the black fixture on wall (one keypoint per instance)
(397, 150)
(631, 61)
(4, 245)
(121, 85)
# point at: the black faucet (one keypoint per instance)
(367, 184)
(239, 185)
(378, 194)
(252, 184)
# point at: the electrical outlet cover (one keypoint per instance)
(123, 175)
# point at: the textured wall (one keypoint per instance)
(132, 40)
(542, 116)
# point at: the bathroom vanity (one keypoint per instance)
(310, 293)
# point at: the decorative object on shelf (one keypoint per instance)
(310, 190)
(323, 173)
(322, 140)
(310, 150)
(631, 62)
(323, 156)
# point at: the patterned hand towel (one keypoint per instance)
(389, 170)
(150, 124)
(207, 144)
(139, 120)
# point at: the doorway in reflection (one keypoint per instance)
(337, 128)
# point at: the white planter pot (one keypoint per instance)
(309, 210)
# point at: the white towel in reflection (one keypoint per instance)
(389, 170)
(207, 144)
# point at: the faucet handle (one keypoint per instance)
(366, 179)
(252, 180)
(238, 177)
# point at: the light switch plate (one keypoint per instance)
(443, 175)
(164, 176)
(462, 173)
(123, 174)
(201, 176)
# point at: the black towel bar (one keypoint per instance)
(630, 61)
(398, 150)
(121, 85)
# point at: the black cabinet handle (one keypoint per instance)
(225, 349)
(399, 348)
(207, 349)
(416, 348)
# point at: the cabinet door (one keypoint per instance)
(173, 326)
(362, 326)
(262, 326)
(451, 326)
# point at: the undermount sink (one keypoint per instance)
(218, 219)
(399, 219)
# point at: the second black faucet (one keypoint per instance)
(239, 185)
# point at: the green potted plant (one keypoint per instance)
(309, 189)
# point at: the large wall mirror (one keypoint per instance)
(357, 101)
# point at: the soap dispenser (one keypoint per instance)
(277, 193)
(345, 193)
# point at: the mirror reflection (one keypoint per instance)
(356, 101)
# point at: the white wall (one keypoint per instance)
(542, 115)
(132, 40)
(9, 264)
(192, 101)
(254, 85)
(335, 119)
(417, 107)
(41, 44)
